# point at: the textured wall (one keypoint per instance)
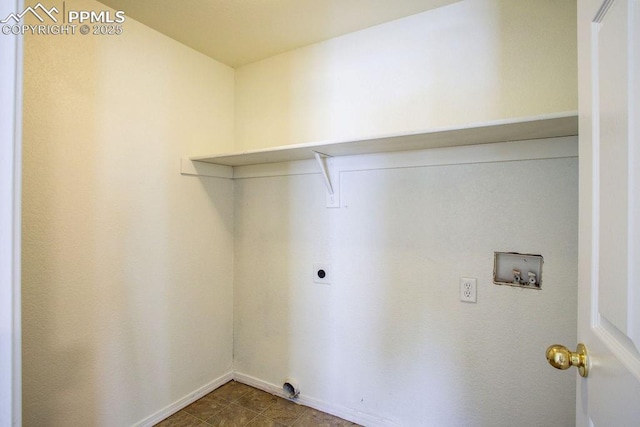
(389, 337)
(469, 62)
(128, 266)
(127, 277)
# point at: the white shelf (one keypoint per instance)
(538, 127)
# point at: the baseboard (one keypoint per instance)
(349, 414)
(185, 401)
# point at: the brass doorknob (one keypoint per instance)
(560, 357)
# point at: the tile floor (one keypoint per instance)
(236, 405)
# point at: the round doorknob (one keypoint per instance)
(560, 357)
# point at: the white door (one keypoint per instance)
(609, 278)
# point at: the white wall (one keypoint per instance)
(389, 340)
(128, 266)
(469, 62)
(127, 285)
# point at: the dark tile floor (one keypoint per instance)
(236, 405)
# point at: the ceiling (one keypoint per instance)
(238, 32)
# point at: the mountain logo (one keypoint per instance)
(33, 10)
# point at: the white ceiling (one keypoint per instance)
(238, 32)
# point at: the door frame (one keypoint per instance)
(10, 222)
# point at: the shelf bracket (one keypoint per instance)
(323, 168)
(332, 199)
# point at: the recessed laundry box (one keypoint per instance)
(515, 269)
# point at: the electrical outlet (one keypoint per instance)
(468, 289)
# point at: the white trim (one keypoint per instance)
(513, 129)
(549, 148)
(533, 149)
(349, 414)
(185, 401)
(298, 167)
(190, 167)
(10, 223)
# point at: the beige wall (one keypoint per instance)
(127, 277)
(469, 62)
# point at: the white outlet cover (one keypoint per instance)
(468, 289)
(322, 273)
